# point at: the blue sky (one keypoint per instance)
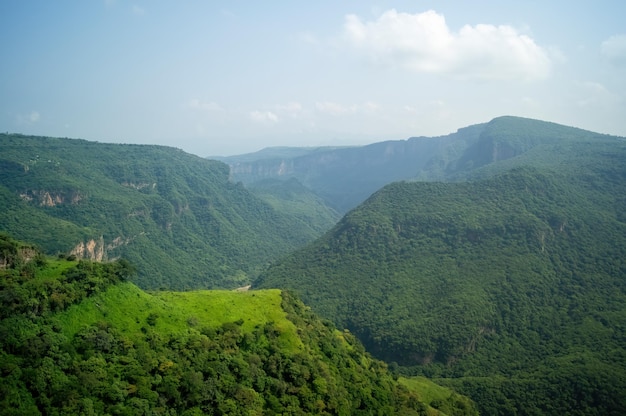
(219, 78)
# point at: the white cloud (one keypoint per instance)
(423, 42)
(594, 95)
(614, 49)
(208, 106)
(370, 107)
(292, 109)
(263, 116)
(31, 118)
(336, 109)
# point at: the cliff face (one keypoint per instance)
(92, 250)
(51, 198)
(12, 252)
(96, 249)
(345, 177)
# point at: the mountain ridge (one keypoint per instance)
(177, 216)
(516, 273)
(345, 177)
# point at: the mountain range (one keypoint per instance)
(346, 176)
(176, 216)
(489, 260)
(509, 284)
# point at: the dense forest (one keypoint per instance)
(493, 266)
(176, 216)
(77, 338)
(510, 288)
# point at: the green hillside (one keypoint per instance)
(296, 200)
(78, 338)
(512, 288)
(176, 216)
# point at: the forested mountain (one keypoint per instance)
(345, 177)
(77, 338)
(498, 269)
(176, 216)
(294, 199)
(511, 287)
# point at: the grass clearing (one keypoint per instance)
(438, 398)
(175, 312)
(54, 269)
(427, 390)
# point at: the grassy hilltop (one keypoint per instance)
(78, 338)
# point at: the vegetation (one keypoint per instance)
(176, 216)
(345, 177)
(438, 397)
(114, 349)
(511, 289)
(296, 200)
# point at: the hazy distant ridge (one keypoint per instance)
(345, 177)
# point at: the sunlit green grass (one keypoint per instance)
(431, 393)
(128, 308)
(215, 307)
(427, 390)
(54, 268)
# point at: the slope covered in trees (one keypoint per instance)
(294, 199)
(176, 216)
(512, 288)
(110, 348)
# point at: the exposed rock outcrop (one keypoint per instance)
(93, 250)
(52, 198)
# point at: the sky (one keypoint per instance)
(230, 77)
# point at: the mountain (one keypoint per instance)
(511, 287)
(78, 338)
(176, 216)
(294, 199)
(345, 177)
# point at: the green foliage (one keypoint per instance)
(176, 216)
(119, 350)
(34, 286)
(445, 400)
(345, 177)
(468, 281)
(294, 199)
(509, 289)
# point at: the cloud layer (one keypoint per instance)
(423, 42)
